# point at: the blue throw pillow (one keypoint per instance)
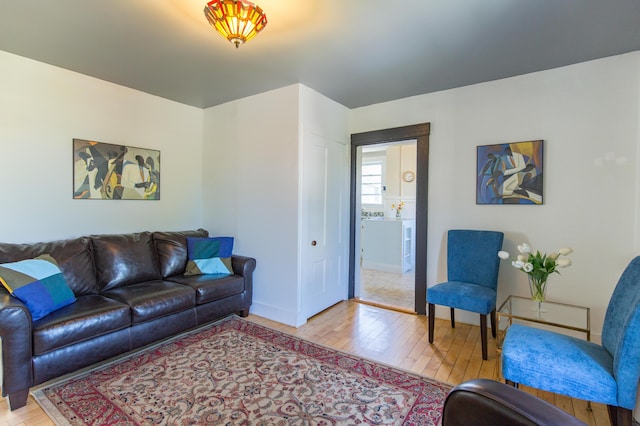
(38, 283)
(209, 256)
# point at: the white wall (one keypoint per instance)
(400, 159)
(251, 158)
(42, 108)
(397, 159)
(588, 116)
(246, 183)
(250, 163)
(637, 208)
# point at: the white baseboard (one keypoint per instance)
(275, 313)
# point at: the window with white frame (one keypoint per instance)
(372, 182)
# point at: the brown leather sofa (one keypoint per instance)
(130, 291)
(483, 402)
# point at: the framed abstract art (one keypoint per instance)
(510, 173)
(103, 171)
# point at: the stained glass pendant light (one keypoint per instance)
(236, 20)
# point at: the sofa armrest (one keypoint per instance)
(487, 402)
(16, 334)
(243, 265)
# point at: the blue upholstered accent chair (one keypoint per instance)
(606, 373)
(472, 273)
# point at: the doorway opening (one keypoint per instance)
(387, 195)
(415, 227)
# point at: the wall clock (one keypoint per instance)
(408, 176)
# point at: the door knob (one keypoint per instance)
(314, 243)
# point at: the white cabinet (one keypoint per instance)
(388, 245)
(408, 245)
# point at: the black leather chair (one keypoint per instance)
(483, 402)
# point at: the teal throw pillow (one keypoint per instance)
(209, 256)
(38, 283)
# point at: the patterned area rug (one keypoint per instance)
(236, 372)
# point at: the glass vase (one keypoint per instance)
(538, 287)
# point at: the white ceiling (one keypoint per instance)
(357, 52)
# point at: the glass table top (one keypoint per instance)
(550, 313)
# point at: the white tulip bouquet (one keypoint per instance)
(538, 266)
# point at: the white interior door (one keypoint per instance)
(324, 262)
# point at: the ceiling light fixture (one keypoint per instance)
(236, 20)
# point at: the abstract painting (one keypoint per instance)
(103, 171)
(510, 173)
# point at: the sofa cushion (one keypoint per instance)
(172, 250)
(153, 299)
(124, 259)
(91, 316)
(38, 283)
(212, 287)
(209, 256)
(73, 256)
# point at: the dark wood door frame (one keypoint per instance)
(419, 132)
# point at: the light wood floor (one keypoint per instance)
(388, 288)
(391, 337)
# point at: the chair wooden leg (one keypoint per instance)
(493, 323)
(453, 318)
(620, 416)
(432, 318)
(483, 335)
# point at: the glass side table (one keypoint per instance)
(546, 314)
